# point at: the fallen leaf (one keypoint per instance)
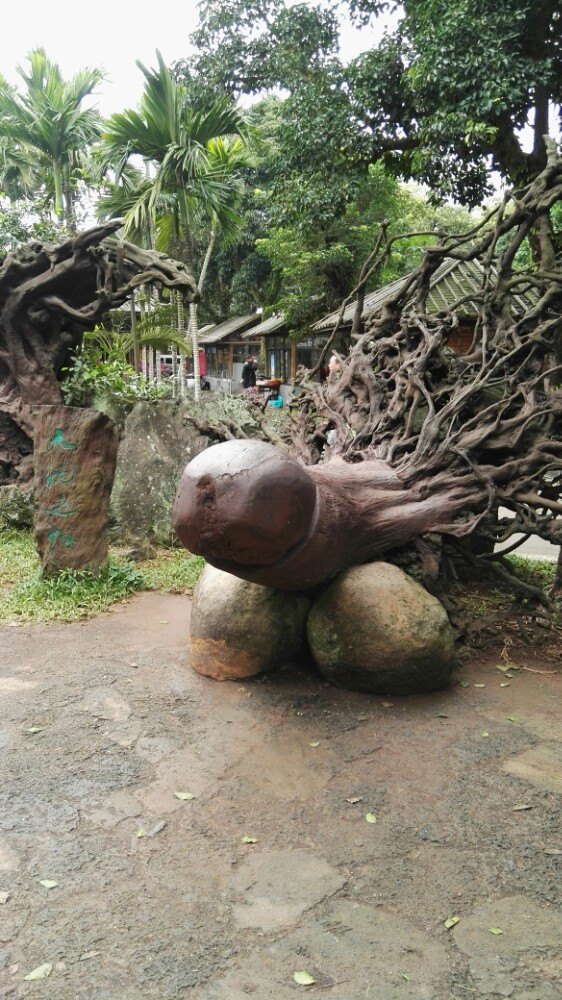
(41, 972)
(495, 930)
(502, 667)
(388, 704)
(48, 883)
(163, 621)
(504, 685)
(249, 840)
(371, 818)
(511, 718)
(406, 977)
(89, 954)
(34, 729)
(479, 685)
(315, 743)
(553, 852)
(484, 733)
(303, 978)
(184, 796)
(354, 799)
(464, 684)
(510, 676)
(4, 897)
(441, 715)
(514, 666)
(520, 809)
(131, 665)
(141, 833)
(451, 922)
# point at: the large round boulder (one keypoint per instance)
(376, 629)
(239, 629)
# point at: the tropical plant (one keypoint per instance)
(192, 153)
(45, 131)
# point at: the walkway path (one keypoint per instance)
(159, 896)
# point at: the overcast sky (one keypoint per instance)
(112, 35)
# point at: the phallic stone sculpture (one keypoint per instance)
(258, 515)
(253, 511)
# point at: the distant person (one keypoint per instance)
(249, 372)
(334, 366)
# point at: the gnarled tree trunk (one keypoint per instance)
(422, 440)
(49, 295)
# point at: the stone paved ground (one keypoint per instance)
(102, 722)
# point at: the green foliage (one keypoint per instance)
(26, 222)
(99, 370)
(187, 147)
(174, 571)
(45, 131)
(72, 595)
(18, 558)
(537, 572)
(314, 267)
(441, 98)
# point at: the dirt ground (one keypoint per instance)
(158, 897)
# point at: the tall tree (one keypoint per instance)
(443, 98)
(189, 151)
(47, 127)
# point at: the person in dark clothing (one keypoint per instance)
(249, 373)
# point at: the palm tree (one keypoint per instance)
(47, 126)
(191, 175)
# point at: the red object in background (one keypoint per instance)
(202, 363)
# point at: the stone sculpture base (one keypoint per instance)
(75, 451)
(373, 629)
(376, 629)
(239, 629)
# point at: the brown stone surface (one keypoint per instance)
(244, 501)
(276, 887)
(254, 511)
(531, 935)
(352, 951)
(540, 766)
(75, 452)
(239, 629)
(376, 629)
(294, 764)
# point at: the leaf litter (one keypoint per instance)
(303, 978)
(41, 972)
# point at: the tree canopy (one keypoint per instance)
(442, 98)
(44, 131)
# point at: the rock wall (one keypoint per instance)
(156, 445)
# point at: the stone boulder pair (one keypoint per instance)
(372, 629)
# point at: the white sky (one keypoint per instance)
(113, 35)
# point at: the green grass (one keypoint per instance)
(18, 558)
(25, 596)
(538, 572)
(174, 571)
